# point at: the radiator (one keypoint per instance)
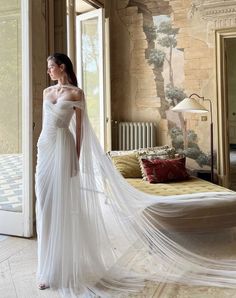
(135, 135)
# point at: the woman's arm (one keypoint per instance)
(79, 95)
(78, 131)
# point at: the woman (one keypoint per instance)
(65, 93)
(87, 248)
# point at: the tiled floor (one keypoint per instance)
(18, 260)
(11, 182)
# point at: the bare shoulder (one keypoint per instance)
(47, 90)
(78, 94)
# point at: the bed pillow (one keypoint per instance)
(164, 170)
(154, 148)
(158, 151)
(120, 152)
(127, 165)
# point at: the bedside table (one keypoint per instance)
(202, 174)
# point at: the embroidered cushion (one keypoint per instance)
(164, 170)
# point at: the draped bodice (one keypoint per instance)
(57, 115)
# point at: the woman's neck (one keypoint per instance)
(63, 82)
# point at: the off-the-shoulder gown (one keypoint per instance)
(89, 248)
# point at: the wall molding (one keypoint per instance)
(220, 13)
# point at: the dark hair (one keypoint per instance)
(59, 59)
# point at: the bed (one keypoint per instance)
(221, 215)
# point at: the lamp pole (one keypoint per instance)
(211, 133)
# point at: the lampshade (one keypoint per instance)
(189, 105)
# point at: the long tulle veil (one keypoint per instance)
(119, 237)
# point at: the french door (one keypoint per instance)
(15, 120)
(90, 58)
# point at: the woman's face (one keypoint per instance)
(55, 71)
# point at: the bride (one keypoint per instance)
(96, 236)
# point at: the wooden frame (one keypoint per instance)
(223, 163)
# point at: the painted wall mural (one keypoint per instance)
(163, 51)
(167, 62)
(166, 58)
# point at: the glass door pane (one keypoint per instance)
(90, 67)
(11, 110)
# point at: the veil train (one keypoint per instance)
(116, 238)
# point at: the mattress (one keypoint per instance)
(198, 219)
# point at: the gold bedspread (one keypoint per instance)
(192, 185)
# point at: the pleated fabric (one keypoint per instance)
(100, 237)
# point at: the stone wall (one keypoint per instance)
(136, 94)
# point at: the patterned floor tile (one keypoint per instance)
(11, 173)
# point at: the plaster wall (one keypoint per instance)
(49, 35)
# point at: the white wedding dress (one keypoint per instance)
(95, 238)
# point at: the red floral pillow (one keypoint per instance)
(164, 170)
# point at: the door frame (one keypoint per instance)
(21, 223)
(223, 162)
(27, 114)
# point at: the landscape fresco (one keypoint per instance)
(167, 61)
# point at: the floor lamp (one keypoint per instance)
(191, 105)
